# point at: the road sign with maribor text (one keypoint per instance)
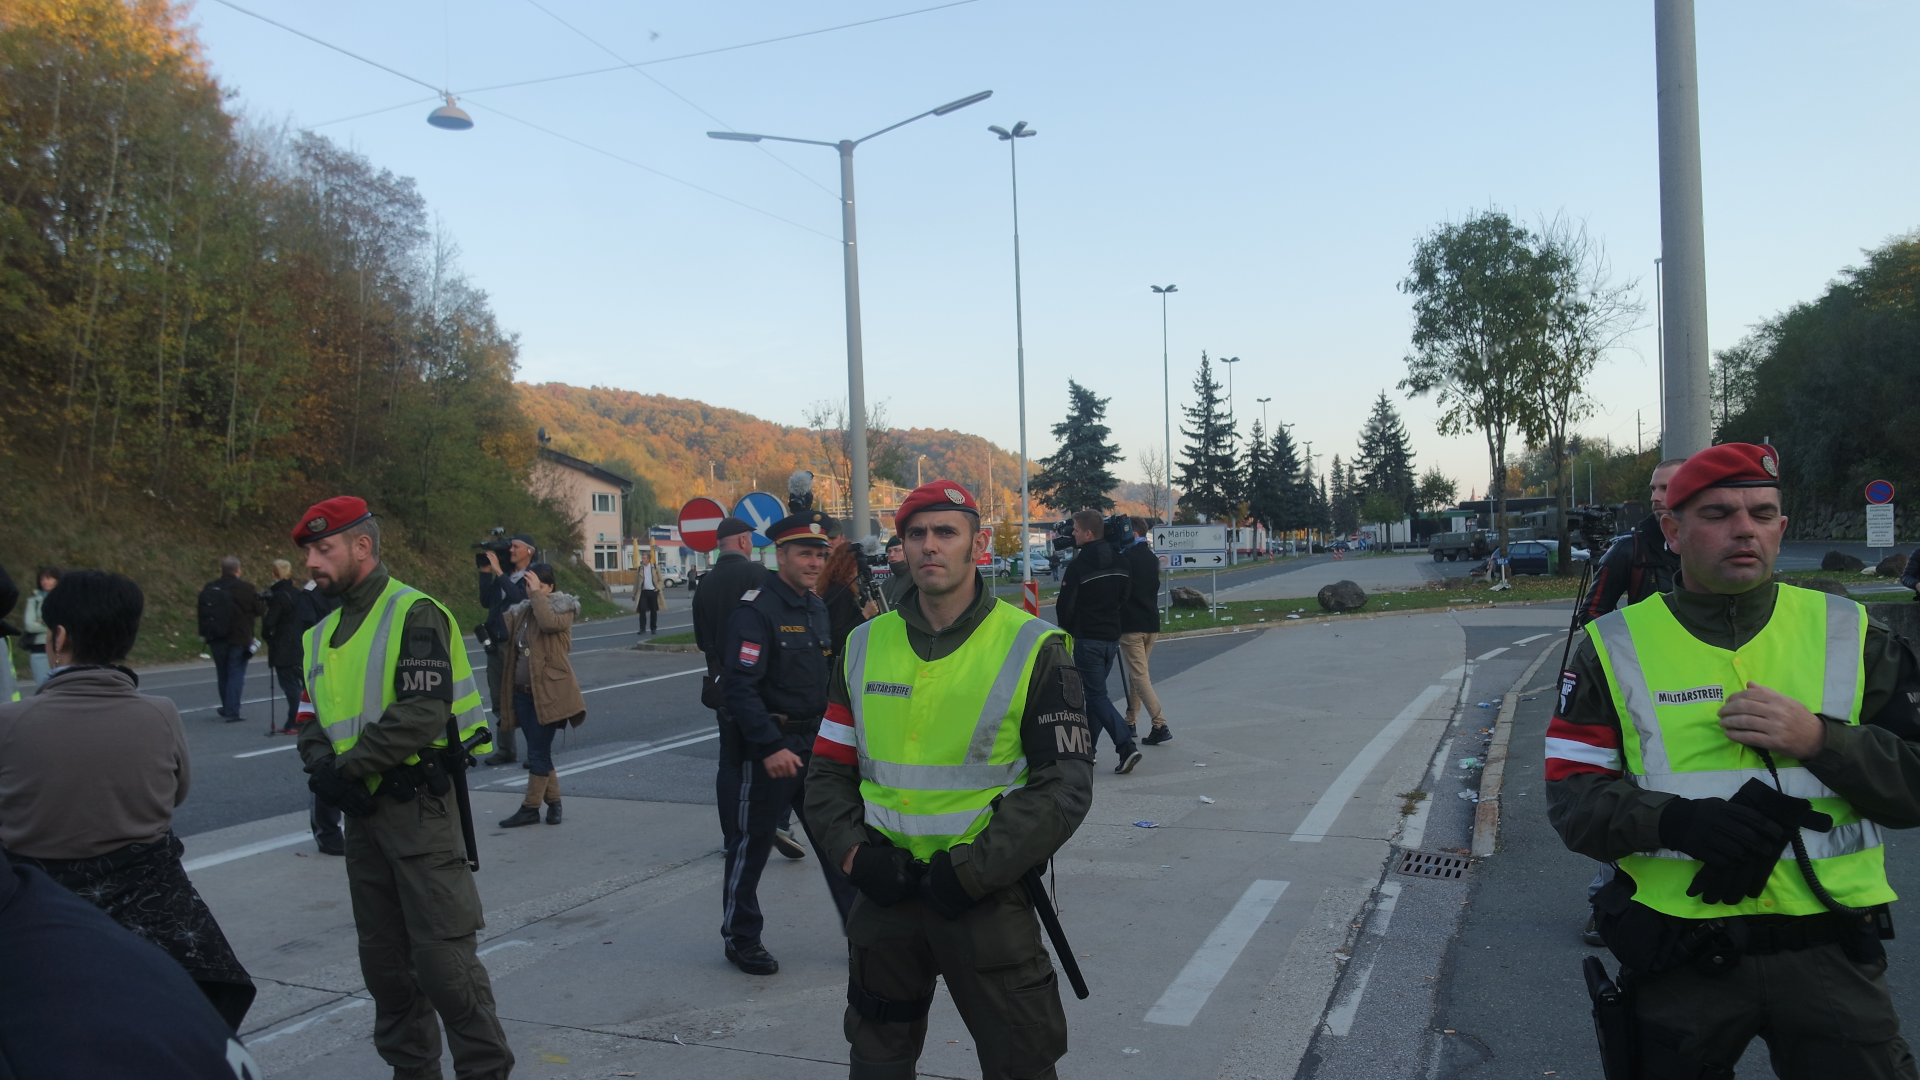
(1189, 539)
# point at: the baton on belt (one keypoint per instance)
(1042, 903)
(458, 754)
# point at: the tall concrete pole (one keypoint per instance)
(857, 529)
(1687, 392)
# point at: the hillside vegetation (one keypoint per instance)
(682, 448)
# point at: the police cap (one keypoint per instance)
(806, 527)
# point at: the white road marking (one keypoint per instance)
(1536, 637)
(1322, 816)
(637, 682)
(249, 701)
(351, 1003)
(617, 759)
(1190, 989)
(1340, 1017)
(243, 851)
(1491, 655)
(269, 750)
(502, 945)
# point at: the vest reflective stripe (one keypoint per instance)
(942, 795)
(1678, 747)
(342, 714)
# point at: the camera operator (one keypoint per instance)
(1093, 589)
(500, 589)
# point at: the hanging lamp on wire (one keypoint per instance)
(450, 116)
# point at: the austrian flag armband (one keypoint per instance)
(835, 741)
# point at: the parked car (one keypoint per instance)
(1535, 556)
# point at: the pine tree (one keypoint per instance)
(1343, 501)
(1264, 487)
(1076, 476)
(1293, 495)
(1319, 507)
(1209, 472)
(1384, 464)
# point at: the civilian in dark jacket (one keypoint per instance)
(1638, 564)
(1093, 590)
(1139, 626)
(280, 626)
(501, 588)
(230, 654)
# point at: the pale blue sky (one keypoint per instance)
(1277, 161)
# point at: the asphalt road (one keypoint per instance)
(646, 734)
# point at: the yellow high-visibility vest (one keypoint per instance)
(1668, 687)
(939, 740)
(350, 686)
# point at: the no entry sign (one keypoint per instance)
(1880, 491)
(700, 522)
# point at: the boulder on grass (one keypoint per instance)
(1185, 597)
(1342, 596)
(1840, 560)
(1892, 566)
(1822, 584)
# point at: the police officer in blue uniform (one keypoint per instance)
(778, 655)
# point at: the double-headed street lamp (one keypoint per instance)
(856, 376)
(1012, 139)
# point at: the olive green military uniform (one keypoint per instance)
(415, 905)
(996, 969)
(1813, 987)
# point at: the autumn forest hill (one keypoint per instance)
(675, 449)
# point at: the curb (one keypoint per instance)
(1486, 814)
(647, 646)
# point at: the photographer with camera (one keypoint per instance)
(1093, 590)
(500, 589)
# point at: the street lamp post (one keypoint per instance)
(1264, 432)
(1166, 388)
(917, 481)
(856, 374)
(1233, 516)
(1012, 139)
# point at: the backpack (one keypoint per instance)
(216, 611)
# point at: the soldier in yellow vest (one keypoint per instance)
(1738, 746)
(386, 682)
(954, 760)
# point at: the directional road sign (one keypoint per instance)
(760, 510)
(1190, 539)
(699, 521)
(1880, 491)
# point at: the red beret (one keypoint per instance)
(323, 519)
(935, 495)
(1727, 465)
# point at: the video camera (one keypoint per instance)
(495, 542)
(1118, 531)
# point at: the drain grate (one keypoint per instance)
(1427, 864)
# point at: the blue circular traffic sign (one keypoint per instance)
(760, 510)
(1880, 491)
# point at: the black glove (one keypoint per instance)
(350, 796)
(1720, 833)
(1731, 884)
(1789, 813)
(939, 888)
(884, 874)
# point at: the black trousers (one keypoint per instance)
(751, 805)
(649, 609)
(325, 820)
(292, 686)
